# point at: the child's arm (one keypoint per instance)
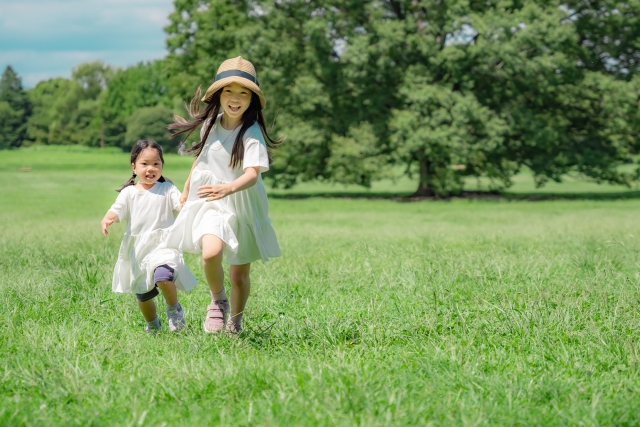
(187, 184)
(219, 191)
(175, 198)
(119, 211)
(108, 219)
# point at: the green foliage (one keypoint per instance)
(92, 77)
(609, 34)
(15, 108)
(151, 123)
(357, 148)
(7, 119)
(97, 102)
(67, 111)
(450, 135)
(446, 89)
(202, 34)
(289, 49)
(367, 90)
(557, 119)
(48, 102)
(142, 85)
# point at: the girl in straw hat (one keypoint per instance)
(225, 203)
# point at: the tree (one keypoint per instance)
(138, 86)
(408, 81)
(92, 77)
(609, 35)
(67, 111)
(151, 123)
(141, 85)
(202, 34)
(296, 66)
(15, 109)
(562, 117)
(96, 102)
(446, 90)
(489, 86)
(49, 107)
(7, 120)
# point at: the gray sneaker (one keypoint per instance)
(233, 327)
(216, 316)
(154, 329)
(176, 319)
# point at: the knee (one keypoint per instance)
(164, 284)
(212, 248)
(239, 277)
(212, 256)
(163, 273)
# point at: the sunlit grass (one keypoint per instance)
(379, 313)
(68, 158)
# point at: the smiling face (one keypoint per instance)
(235, 100)
(148, 167)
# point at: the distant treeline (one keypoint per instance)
(447, 90)
(97, 106)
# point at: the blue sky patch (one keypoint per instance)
(42, 39)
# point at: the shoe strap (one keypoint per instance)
(218, 311)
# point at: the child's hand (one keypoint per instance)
(214, 192)
(183, 199)
(105, 223)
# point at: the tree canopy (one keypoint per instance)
(150, 123)
(443, 89)
(67, 111)
(95, 104)
(130, 89)
(370, 89)
(15, 108)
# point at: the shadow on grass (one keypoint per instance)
(618, 195)
(340, 195)
(469, 195)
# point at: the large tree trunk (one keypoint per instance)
(424, 190)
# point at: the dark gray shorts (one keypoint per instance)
(163, 273)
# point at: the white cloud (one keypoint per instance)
(46, 38)
(59, 63)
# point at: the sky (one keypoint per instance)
(42, 39)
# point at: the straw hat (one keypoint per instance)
(236, 70)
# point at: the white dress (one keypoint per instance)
(149, 214)
(240, 220)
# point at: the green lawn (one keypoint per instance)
(460, 312)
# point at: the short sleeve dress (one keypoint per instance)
(240, 220)
(149, 215)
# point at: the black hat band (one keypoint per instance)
(237, 73)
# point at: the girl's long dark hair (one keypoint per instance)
(210, 113)
(135, 152)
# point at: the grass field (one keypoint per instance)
(380, 313)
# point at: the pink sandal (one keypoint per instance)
(216, 316)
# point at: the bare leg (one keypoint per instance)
(240, 289)
(148, 309)
(212, 247)
(168, 292)
(174, 310)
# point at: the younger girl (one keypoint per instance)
(226, 208)
(144, 264)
